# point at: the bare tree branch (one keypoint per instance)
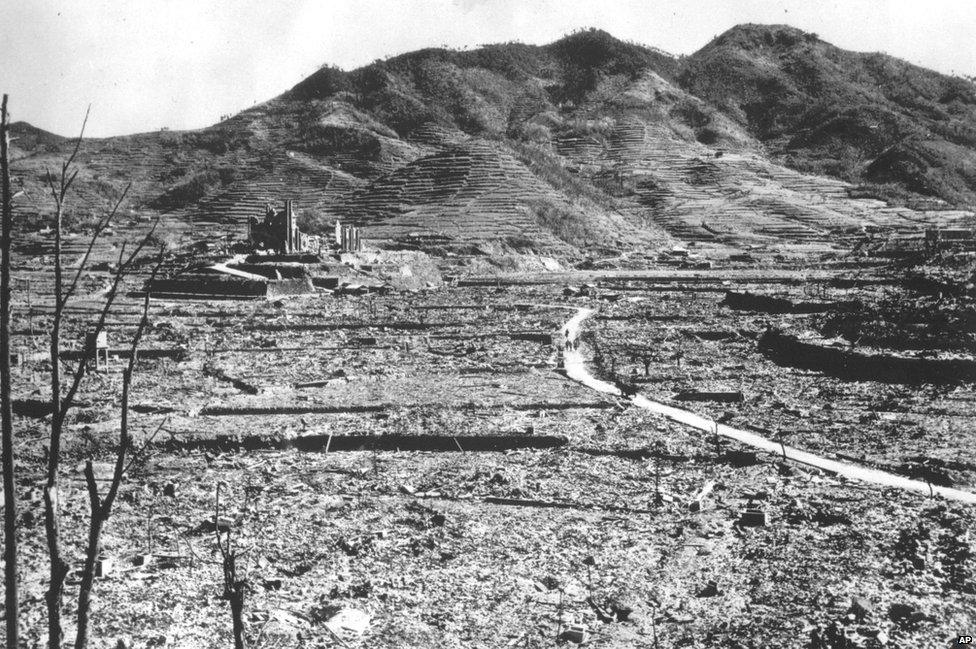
(82, 368)
(102, 225)
(101, 509)
(52, 517)
(136, 455)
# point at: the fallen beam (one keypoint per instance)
(334, 443)
(789, 351)
(748, 301)
(721, 397)
(221, 375)
(224, 411)
(177, 353)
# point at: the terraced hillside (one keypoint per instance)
(706, 195)
(865, 117)
(587, 145)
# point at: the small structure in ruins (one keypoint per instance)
(97, 344)
(347, 238)
(277, 259)
(278, 232)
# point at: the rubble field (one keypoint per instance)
(415, 470)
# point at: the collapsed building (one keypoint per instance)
(278, 232)
(276, 259)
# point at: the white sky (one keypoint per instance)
(183, 63)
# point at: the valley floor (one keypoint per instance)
(423, 459)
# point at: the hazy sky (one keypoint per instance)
(184, 63)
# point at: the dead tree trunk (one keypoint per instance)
(235, 595)
(101, 509)
(9, 497)
(60, 405)
(235, 586)
(52, 504)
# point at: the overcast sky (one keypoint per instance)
(184, 63)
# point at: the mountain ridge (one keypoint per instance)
(587, 143)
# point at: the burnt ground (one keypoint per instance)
(301, 408)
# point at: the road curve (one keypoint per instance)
(576, 369)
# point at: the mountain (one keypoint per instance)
(766, 136)
(861, 117)
(26, 139)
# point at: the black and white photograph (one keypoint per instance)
(489, 324)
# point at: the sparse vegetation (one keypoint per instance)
(833, 111)
(193, 187)
(331, 140)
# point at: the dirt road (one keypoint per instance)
(576, 369)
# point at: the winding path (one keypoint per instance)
(576, 369)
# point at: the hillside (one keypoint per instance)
(765, 137)
(861, 117)
(26, 139)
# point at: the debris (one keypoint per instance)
(330, 503)
(741, 459)
(142, 559)
(722, 397)
(906, 615)
(103, 566)
(680, 618)
(206, 526)
(743, 257)
(790, 351)
(901, 612)
(499, 478)
(698, 502)
(349, 622)
(219, 373)
(28, 519)
(710, 589)
(575, 633)
(352, 547)
(611, 610)
(167, 560)
(753, 516)
(768, 304)
(282, 629)
(160, 640)
(622, 610)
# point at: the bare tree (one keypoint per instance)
(101, 508)
(61, 402)
(12, 610)
(235, 585)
